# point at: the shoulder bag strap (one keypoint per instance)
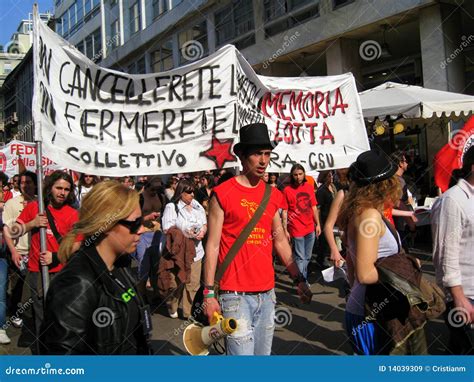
(50, 217)
(393, 231)
(245, 233)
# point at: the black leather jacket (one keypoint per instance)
(85, 312)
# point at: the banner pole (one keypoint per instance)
(41, 208)
(39, 163)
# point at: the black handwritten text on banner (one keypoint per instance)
(105, 122)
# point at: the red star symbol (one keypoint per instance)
(219, 152)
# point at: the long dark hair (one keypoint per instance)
(210, 180)
(82, 182)
(183, 184)
(295, 167)
(49, 183)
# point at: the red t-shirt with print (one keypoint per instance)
(300, 200)
(64, 219)
(252, 268)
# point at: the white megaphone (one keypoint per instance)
(197, 339)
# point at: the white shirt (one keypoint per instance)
(186, 220)
(452, 227)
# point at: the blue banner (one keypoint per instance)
(242, 369)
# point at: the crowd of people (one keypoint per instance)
(222, 232)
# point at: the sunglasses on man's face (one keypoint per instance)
(133, 225)
(189, 191)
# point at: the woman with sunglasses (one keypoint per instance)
(187, 215)
(92, 306)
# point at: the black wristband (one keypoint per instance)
(299, 278)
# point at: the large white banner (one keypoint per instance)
(104, 122)
(14, 151)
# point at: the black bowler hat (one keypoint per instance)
(371, 167)
(254, 135)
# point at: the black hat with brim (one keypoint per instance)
(254, 135)
(371, 167)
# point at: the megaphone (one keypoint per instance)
(198, 339)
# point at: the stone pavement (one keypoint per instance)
(301, 329)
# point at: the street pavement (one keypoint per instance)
(314, 329)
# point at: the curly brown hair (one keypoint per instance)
(375, 195)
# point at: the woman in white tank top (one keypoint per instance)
(368, 238)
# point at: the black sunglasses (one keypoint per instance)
(133, 225)
(189, 191)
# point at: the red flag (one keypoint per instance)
(450, 156)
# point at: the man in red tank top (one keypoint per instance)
(247, 286)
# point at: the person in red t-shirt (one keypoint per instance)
(59, 196)
(246, 290)
(301, 218)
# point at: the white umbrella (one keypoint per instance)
(410, 101)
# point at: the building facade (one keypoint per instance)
(419, 42)
(16, 84)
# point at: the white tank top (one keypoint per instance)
(387, 247)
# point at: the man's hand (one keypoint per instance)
(211, 305)
(288, 237)
(413, 217)
(304, 292)
(46, 258)
(465, 309)
(152, 216)
(40, 221)
(317, 230)
(16, 258)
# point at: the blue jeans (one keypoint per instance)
(255, 315)
(302, 251)
(148, 253)
(3, 291)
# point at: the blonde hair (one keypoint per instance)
(101, 209)
(375, 195)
